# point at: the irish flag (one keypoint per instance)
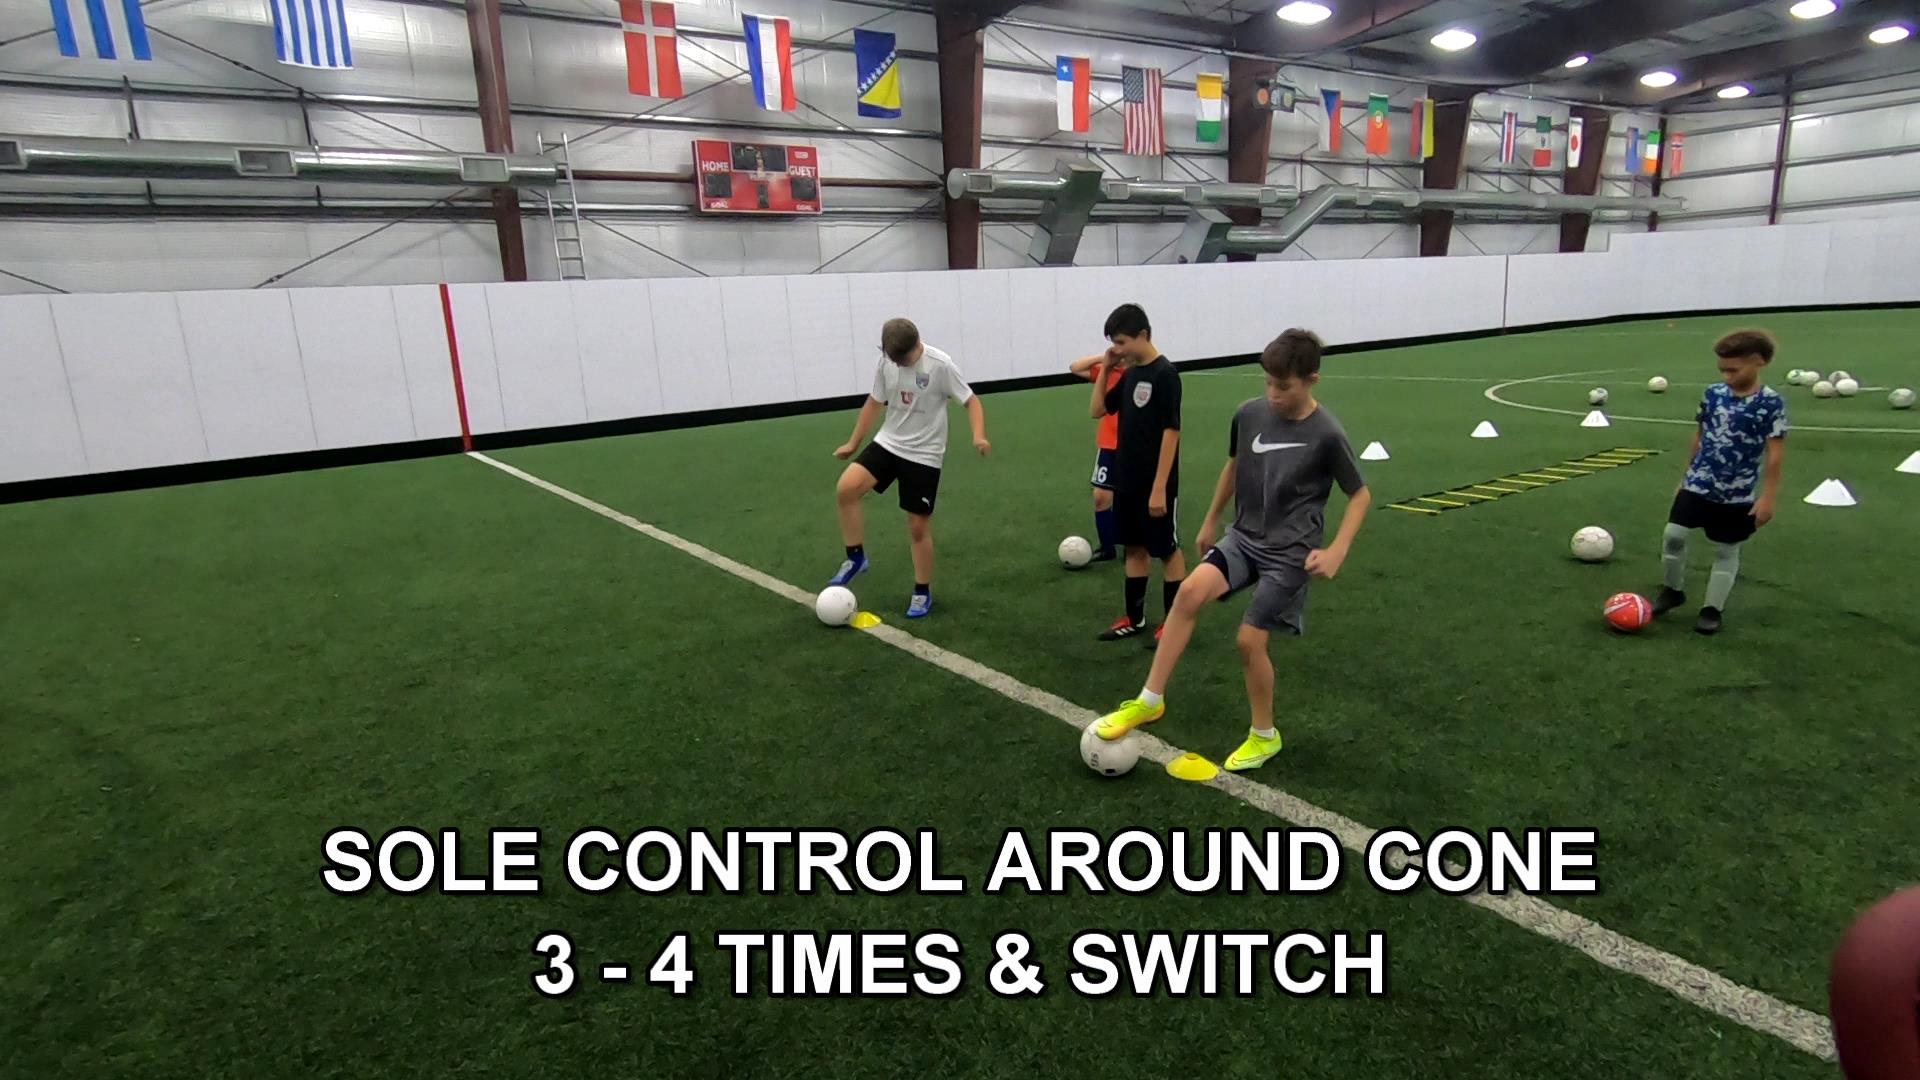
(1210, 89)
(1650, 156)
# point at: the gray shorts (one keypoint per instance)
(1279, 583)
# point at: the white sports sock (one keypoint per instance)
(1270, 733)
(1151, 699)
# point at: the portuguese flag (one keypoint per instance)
(1379, 139)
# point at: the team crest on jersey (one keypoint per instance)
(922, 380)
(1142, 393)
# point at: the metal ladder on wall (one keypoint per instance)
(563, 218)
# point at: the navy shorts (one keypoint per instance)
(1103, 469)
(1725, 523)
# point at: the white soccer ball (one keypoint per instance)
(1597, 396)
(1793, 377)
(835, 605)
(1075, 552)
(1657, 384)
(1846, 387)
(1901, 398)
(1823, 388)
(1809, 377)
(1593, 544)
(1837, 376)
(1115, 757)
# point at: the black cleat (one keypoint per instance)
(1124, 628)
(1709, 621)
(1668, 600)
(1105, 555)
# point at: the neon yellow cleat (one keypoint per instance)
(1253, 753)
(1127, 717)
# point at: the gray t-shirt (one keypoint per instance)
(1283, 472)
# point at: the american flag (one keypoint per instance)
(1140, 88)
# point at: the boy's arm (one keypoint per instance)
(1100, 374)
(1325, 562)
(1169, 446)
(1084, 367)
(1770, 480)
(1223, 490)
(869, 412)
(977, 416)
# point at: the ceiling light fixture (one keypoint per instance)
(1305, 12)
(1887, 35)
(1579, 61)
(1737, 90)
(1659, 79)
(1453, 39)
(1813, 9)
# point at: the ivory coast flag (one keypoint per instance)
(1379, 137)
(1210, 89)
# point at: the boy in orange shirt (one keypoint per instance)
(1108, 440)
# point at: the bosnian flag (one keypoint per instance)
(1073, 78)
(115, 29)
(770, 60)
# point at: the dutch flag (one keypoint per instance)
(770, 61)
(115, 26)
(311, 33)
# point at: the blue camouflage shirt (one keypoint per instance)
(1733, 442)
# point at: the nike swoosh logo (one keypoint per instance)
(1261, 448)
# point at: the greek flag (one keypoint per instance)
(115, 26)
(311, 33)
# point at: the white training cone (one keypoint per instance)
(1596, 418)
(1485, 431)
(1376, 452)
(1831, 493)
(1911, 465)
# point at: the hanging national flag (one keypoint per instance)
(1543, 142)
(1509, 134)
(1073, 80)
(115, 28)
(770, 61)
(313, 33)
(1576, 129)
(1650, 156)
(1210, 89)
(1633, 150)
(1676, 150)
(1330, 134)
(653, 48)
(1422, 144)
(1140, 90)
(878, 72)
(1379, 136)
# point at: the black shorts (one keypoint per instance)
(919, 484)
(1725, 523)
(1134, 527)
(1103, 468)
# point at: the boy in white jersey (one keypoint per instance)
(913, 385)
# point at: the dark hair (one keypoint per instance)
(1295, 353)
(1745, 343)
(1128, 319)
(897, 339)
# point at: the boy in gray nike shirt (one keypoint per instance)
(1285, 455)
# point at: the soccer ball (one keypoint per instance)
(1075, 552)
(1628, 612)
(1109, 757)
(1592, 544)
(1837, 376)
(1901, 398)
(1597, 396)
(1823, 388)
(1657, 384)
(1793, 377)
(1809, 377)
(1846, 387)
(835, 605)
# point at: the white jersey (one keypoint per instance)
(916, 399)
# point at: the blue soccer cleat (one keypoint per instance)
(849, 570)
(920, 606)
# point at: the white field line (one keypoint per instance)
(1492, 394)
(1806, 1031)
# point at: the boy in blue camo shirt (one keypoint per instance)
(1737, 447)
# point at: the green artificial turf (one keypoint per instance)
(196, 684)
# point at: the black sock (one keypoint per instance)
(856, 551)
(1137, 600)
(1169, 590)
(922, 590)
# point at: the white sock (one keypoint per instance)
(1268, 733)
(1151, 699)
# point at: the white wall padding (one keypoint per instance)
(759, 363)
(423, 351)
(536, 350)
(689, 330)
(356, 380)
(247, 372)
(619, 364)
(826, 348)
(132, 387)
(479, 371)
(986, 339)
(39, 430)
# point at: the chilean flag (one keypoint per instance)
(1073, 77)
(770, 60)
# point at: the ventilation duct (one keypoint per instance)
(148, 159)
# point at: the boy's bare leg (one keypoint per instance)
(1202, 587)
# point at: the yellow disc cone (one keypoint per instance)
(1192, 767)
(866, 620)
